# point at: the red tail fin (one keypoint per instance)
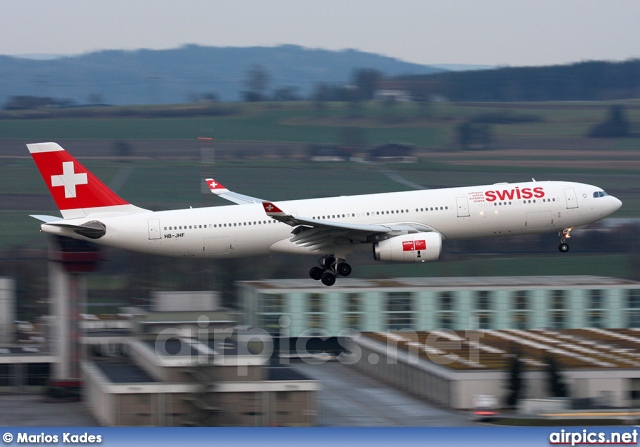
(76, 191)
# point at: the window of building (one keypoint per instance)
(399, 310)
(316, 303)
(633, 298)
(271, 322)
(596, 299)
(5, 375)
(316, 321)
(558, 319)
(520, 300)
(558, 299)
(354, 302)
(446, 301)
(316, 316)
(483, 300)
(633, 318)
(484, 320)
(520, 320)
(446, 320)
(38, 374)
(596, 318)
(272, 303)
(353, 315)
(399, 302)
(354, 321)
(633, 306)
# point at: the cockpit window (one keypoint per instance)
(599, 194)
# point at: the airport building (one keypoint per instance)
(600, 367)
(420, 304)
(25, 361)
(187, 363)
(449, 339)
(182, 361)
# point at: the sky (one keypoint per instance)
(477, 32)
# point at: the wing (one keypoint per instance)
(317, 234)
(234, 197)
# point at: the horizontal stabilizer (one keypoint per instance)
(45, 218)
(92, 229)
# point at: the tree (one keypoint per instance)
(366, 80)
(615, 126)
(95, 98)
(474, 135)
(286, 93)
(516, 384)
(256, 83)
(321, 94)
(35, 102)
(557, 387)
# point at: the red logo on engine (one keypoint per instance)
(414, 245)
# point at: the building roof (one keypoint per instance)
(23, 350)
(123, 372)
(184, 317)
(478, 350)
(285, 374)
(479, 282)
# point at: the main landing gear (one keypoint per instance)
(564, 235)
(330, 268)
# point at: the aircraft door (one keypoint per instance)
(217, 245)
(462, 203)
(154, 229)
(571, 198)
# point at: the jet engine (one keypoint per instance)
(416, 247)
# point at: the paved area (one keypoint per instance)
(349, 398)
(37, 411)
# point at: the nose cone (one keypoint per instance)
(615, 204)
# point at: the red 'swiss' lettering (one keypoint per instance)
(516, 193)
(421, 245)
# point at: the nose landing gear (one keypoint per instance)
(330, 268)
(564, 235)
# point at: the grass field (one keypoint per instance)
(551, 146)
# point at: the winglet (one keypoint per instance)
(221, 191)
(272, 210)
(216, 187)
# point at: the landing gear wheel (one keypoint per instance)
(316, 273)
(343, 269)
(563, 247)
(328, 278)
(327, 262)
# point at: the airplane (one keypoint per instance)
(398, 227)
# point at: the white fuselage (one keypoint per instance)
(456, 213)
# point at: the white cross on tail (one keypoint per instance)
(69, 179)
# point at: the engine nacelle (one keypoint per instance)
(416, 247)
